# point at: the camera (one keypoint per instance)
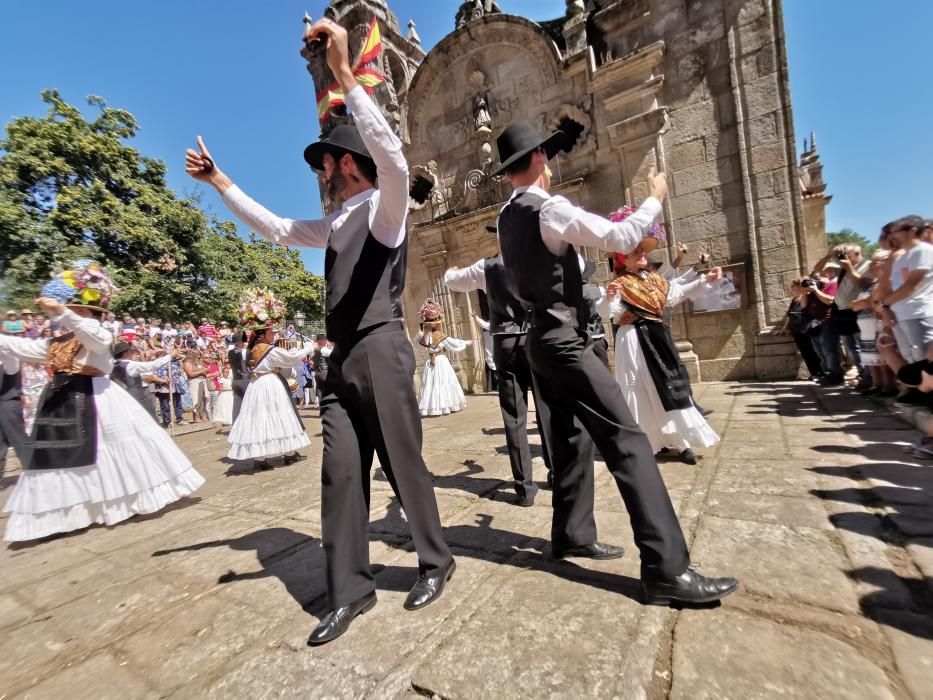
(841, 255)
(808, 284)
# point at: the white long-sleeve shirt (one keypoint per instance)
(677, 293)
(563, 223)
(468, 279)
(450, 344)
(9, 363)
(280, 358)
(95, 340)
(388, 205)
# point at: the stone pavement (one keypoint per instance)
(809, 500)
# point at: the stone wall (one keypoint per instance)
(697, 88)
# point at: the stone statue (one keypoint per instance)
(481, 118)
(475, 9)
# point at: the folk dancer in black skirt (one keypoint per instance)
(94, 455)
(537, 237)
(369, 403)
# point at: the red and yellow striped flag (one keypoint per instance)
(333, 96)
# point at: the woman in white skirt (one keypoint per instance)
(223, 408)
(441, 393)
(94, 454)
(648, 368)
(268, 424)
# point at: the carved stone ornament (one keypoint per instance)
(473, 10)
(482, 122)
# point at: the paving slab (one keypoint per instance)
(776, 561)
(809, 500)
(732, 655)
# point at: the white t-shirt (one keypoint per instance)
(920, 303)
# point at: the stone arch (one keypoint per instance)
(520, 36)
(396, 72)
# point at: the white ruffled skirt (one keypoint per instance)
(677, 430)
(223, 408)
(267, 424)
(139, 470)
(441, 393)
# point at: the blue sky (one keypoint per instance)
(231, 71)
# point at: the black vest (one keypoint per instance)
(320, 362)
(365, 279)
(507, 315)
(133, 385)
(552, 285)
(594, 322)
(11, 386)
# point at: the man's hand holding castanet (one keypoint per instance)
(657, 184)
(50, 307)
(338, 52)
(201, 166)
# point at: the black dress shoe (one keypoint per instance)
(597, 550)
(292, 458)
(336, 622)
(427, 589)
(690, 587)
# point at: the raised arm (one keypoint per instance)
(467, 279)
(310, 233)
(92, 335)
(287, 359)
(390, 208)
(25, 349)
(137, 369)
(563, 222)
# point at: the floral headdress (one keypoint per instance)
(655, 237)
(432, 312)
(85, 283)
(260, 309)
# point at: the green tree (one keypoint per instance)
(847, 236)
(71, 186)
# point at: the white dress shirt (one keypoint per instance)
(468, 279)
(563, 223)
(388, 208)
(9, 363)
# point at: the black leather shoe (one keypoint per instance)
(597, 550)
(336, 622)
(690, 587)
(427, 589)
(688, 456)
(292, 458)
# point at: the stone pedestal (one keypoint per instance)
(690, 359)
(776, 357)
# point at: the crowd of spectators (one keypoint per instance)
(875, 315)
(185, 392)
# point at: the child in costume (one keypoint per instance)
(441, 392)
(648, 367)
(94, 455)
(268, 424)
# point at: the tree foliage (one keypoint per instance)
(847, 236)
(70, 187)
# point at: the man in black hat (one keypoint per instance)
(238, 359)
(12, 427)
(369, 401)
(129, 373)
(573, 530)
(537, 235)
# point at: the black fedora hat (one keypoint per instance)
(492, 229)
(121, 349)
(342, 139)
(520, 139)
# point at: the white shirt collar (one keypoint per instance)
(534, 189)
(356, 200)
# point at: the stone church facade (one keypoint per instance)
(698, 88)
